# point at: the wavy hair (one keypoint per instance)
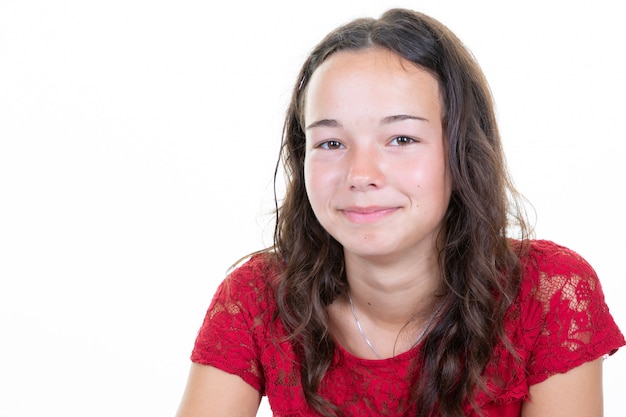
(480, 265)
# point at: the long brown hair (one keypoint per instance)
(480, 267)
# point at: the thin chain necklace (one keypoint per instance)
(358, 325)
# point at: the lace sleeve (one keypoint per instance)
(226, 339)
(574, 324)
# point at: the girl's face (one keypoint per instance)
(375, 165)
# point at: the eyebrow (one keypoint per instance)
(385, 121)
(401, 117)
(324, 123)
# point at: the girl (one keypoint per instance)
(394, 286)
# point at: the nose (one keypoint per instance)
(365, 171)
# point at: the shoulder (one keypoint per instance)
(549, 268)
(237, 325)
(563, 318)
(249, 287)
(252, 276)
(558, 321)
(550, 257)
(554, 276)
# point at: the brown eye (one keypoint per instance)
(331, 144)
(401, 141)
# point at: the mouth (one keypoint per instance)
(369, 214)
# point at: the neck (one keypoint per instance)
(395, 293)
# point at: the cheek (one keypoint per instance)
(425, 179)
(321, 183)
(308, 176)
(312, 181)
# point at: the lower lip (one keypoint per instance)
(368, 217)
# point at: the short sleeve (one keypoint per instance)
(571, 322)
(227, 339)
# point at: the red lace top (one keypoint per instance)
(559, 321)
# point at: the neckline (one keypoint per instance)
(402, 357)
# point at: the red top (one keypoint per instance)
(558, 322)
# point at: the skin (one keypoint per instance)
(378, 181)
(577, 393)
(211, 392)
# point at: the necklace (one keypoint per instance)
(358, 325)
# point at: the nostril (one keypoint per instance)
(365, 174)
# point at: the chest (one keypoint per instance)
(362, 387)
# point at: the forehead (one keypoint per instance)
(375, 56)
(369, 78)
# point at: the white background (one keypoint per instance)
(137, 145)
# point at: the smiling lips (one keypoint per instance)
(367, 214)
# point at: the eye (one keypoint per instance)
(402, 141)
(330, 145)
